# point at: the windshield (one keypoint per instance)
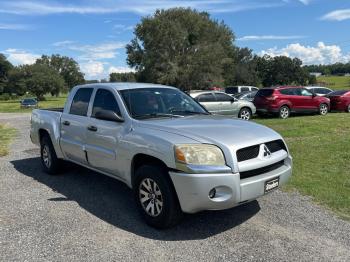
(144, 103)
(28, 100)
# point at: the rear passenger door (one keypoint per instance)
(209, 102)
(102, 136)
(226, 106)
(73, 126)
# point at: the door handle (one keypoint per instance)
(92, 128)
(66, 123)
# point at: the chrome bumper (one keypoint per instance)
(193, 189)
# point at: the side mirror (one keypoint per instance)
(108, 115)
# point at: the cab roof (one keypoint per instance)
(125, 85)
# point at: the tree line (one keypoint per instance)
(49, 74)
(333, 69)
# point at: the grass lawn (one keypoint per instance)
(335, 82)
(6, 134)
(320, 147)
(12, 106)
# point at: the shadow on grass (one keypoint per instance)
(112, 201)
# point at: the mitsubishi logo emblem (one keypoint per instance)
(267, 152)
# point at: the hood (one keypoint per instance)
(214, 129)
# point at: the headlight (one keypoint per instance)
(199, 154)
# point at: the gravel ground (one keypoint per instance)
(84, 216)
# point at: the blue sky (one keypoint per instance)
(95, 32)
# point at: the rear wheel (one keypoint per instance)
(323, 110)
(155, 197)
(245, 113)
(51, 164)
(284, 112)
(348, 109)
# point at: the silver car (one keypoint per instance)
(223, 104)
(319, 90)
(173, 154)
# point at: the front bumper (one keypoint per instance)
(193, 189)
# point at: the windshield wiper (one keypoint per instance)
(155, 115)
(189, 112)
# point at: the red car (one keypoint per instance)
(340, 100)
(284, 100)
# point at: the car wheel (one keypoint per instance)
(348, 109)
(323, 109)
(245, 113)
(51, 164)
(155, 197)
(284, 112)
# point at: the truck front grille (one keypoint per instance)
(253, 151)
(262, 170)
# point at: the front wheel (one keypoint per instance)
(284, 112)
(323, 109)
(245, 113)
(155, 197)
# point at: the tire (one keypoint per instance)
(245, 113)
(284, 112)
(51, 164)
(156, 198)
(323, 109)
(348, 108)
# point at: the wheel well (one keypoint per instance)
(142, 159)
(245, 107)
(43, 133)
(285, 105)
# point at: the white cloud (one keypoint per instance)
(92, 69)
(319, 54)
(20, 57)
(93, 52)
(337, 15)
(120, 69)
(269, 37)
(14, 27)
(48, 7)
(305, 2)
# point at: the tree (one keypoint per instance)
(122, 77)
(281, 70)
(181, 47)
(5, 67)
(38, 79)
(67, 67)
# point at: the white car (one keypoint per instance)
(231, 90)
(319, 90)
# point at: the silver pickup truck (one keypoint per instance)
(174, 155)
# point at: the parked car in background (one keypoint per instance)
(29, 103)
(239, 89)
(224, 104)
(284, 100)
(248, 96)
(173, 154)
(319, 90)
(340, 100)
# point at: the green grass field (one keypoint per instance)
(6, 134)
(335, 82)
(13, 106)
(320, 146)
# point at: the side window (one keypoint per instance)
(305, 92)
(206, 98)
(296, 91)
(287, 92)
(231, 90)
(223, 97)
(254, 89)
(105, 100)
(245, 89)
(80, 102)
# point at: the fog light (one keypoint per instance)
(212, 193)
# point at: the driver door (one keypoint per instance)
(102, 136)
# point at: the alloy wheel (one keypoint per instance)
(323, 109)
(284, 112)
(245, 114)
(47, 156)
(150, 197)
